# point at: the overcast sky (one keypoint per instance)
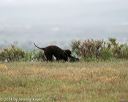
(62, 20)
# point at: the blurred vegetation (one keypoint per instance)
(87, 50)
(11, 54)
(16, 54)
(90, 50)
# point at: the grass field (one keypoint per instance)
(64, 82)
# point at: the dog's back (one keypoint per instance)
(55, 51)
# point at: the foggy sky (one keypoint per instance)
(62, 20)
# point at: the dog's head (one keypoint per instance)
(68, 52)
(74, 59)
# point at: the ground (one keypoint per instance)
(64, 82)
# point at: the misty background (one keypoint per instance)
(60, 21)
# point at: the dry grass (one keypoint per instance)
(65, 82)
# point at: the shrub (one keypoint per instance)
(76, 45)
(105, 54)
(88, 49)
(98, 49)
(33, 56)
(11, 54)
(123, 51)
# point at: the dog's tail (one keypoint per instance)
(38, 47)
